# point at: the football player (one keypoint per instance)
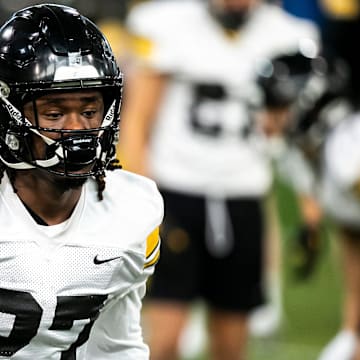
(340, 193)
(78, 240)
(340, 198)
(189, 123)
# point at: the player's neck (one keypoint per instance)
(44, 197)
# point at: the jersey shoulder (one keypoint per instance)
(151, 18)
(136, 190)
(282, 23)
(162, 32)
(132, 211)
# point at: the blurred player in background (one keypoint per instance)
(190, 121)
(330, 138)
(340, 194)
(340, 197)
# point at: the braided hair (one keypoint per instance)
(100, 179)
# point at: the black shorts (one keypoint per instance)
(226, 277)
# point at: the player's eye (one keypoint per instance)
(53, 115)
(89, 113)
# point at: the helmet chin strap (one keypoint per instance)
(58, 156)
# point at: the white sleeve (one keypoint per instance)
(117, 333)
(342, 152)
(293, 167)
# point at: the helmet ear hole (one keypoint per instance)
(12, 141)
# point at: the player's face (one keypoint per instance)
(80, 110)
(67, 111)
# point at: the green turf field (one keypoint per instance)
(312, 307)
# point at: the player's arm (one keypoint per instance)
(145, 81)
(117, 332)
(143, 92)
(152, 58)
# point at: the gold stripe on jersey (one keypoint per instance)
(153, 261)
(152, 248)
(342, 9)
(152, 242)
(140, 46)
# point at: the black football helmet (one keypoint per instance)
(314, 84)
(52, 48)
(284, 78)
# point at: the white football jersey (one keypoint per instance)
(74, 290)
(205, 141)
(342, 172)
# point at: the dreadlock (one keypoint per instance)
(100, 179)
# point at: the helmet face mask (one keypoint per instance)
(53, 49)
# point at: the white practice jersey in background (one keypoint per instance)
(204, 141)
(73, 290)
(342, 172)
